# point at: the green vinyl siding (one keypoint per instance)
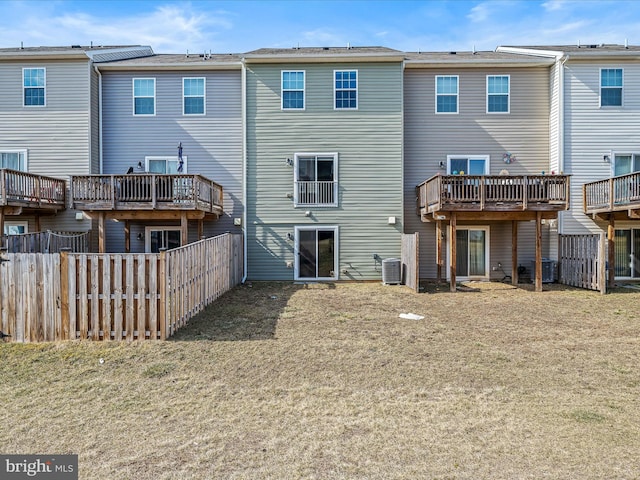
(368, 142)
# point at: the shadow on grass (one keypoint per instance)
(247, 312)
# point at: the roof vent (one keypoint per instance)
(593, 46)
(452, 53)
(325, 48)
(76, 46)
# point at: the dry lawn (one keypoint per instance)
(281, 381)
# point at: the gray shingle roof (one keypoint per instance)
(467, 58)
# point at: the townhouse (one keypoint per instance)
(324, 162)
(49, 129)
(595, 123)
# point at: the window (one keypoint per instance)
(316, 180)
(144, 96)
(161, 238)
(293, 90)
(467, 164)
(346, 89)
(14, 159)
(472, 252)
(611, 87)
(165, 165)
(16, 228)
(447, 94)
(33, 83)
(316, 251)
(193, 96)
(498, 94)
(626, 163)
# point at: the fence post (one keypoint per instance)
(64, 294)
(602, 265)
(164, 295)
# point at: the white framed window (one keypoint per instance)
(34, 81)
(293, 86)
(144, 96)
(316, 253)
(165, 165)
(345, 89)
(446, 93)
(193, 96)
(16, 227)
(611, 84)
(625, 163)
(161, 238)
(467, 164)
(316, 179)
(14, 159)
(498, 93)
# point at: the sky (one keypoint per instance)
(243, 25)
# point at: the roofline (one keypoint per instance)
(476, 63)
(587, 54)
(204, 65)
(330, 58)
(68, 54)
(530, 51)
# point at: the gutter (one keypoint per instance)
(244, 170)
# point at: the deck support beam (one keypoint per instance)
(439, 260)
(514, 252)
(101, 233)
(184, 229)
(538, 252)
(127, 236)
(453, 266)
(611, 243)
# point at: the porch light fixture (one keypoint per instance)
(140, 237)
(606, 158)
(139, 165)
(289, 162)
(289, 236)
(441, 165)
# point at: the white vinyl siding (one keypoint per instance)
(447, 94)
(144, 96)
(498, 96)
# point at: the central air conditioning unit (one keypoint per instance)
(391, 271)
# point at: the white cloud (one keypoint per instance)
(479, 13)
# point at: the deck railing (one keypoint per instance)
(146, 191)
(45, 242)
(18, 188)
(493, 192)
(610, 194)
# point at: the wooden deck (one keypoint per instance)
(616, 196)
(22, 191)
(492, 197)
(150, 193)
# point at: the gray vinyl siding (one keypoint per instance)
(212, 143)
(55, 136)
(591, 132)
(95, 120)
(369, 146)
(430, 137)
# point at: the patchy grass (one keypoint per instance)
(283, 381)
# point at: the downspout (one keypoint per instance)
(561, 106)
(99, 115)
(244, 169)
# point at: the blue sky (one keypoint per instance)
(240, 26)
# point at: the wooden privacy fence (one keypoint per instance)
(48, 297)
(582, 261)
(410, 261)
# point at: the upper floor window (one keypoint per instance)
(467, 164)
(316, 179)
(626, 163)
(16, 227)
(14, 159)
(447, 94)
(293, 90)
(34, 84)
(611, 87)
(498, 94)
(193, 96)
(144, 96)
(166, 165)
(346, 89)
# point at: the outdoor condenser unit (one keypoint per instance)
(391, 269)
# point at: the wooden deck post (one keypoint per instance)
(184, 229)
(439, 250)
(538, 251)
(453, 266)
(127, 236)
(514, 252)
(1, 221)
(101, 232)
(611, 237)
(200, 229)
(38, 223)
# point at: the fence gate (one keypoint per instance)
(582, 261)
(410, 261)
(30, 297)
